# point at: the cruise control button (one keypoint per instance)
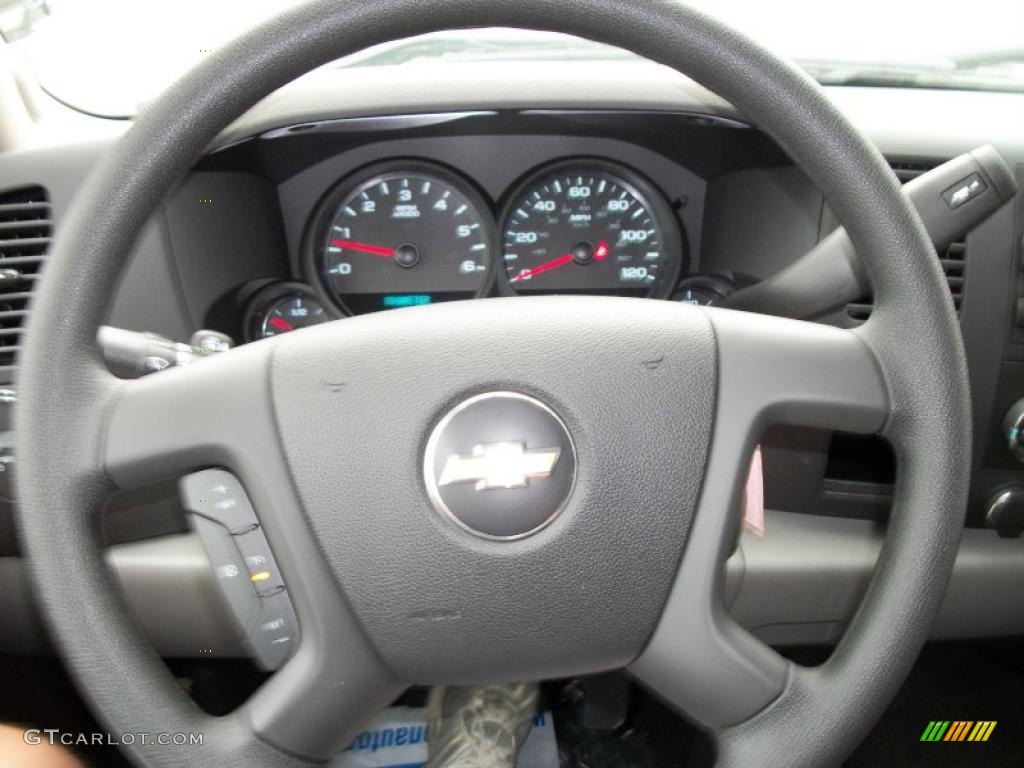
(228, 570)
(244, 567)
(275, 633)
(260, 565)
(217, 495)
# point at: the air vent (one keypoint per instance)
(25, 234)
(953, 261)
(906, 170)
(953, 258)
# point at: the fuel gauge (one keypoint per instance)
(291, 313)
(282, 308)
(704, 290)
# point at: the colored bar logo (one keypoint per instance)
(958, 730)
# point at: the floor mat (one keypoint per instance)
(37, 694)
(950, 682)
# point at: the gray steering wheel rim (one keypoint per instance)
(65, 391)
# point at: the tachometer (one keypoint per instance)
(589, 226)
(401, 235)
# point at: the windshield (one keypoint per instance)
(109, 57)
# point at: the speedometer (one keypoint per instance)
(588, 226)
(400, 235)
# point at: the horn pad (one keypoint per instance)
(501, 487)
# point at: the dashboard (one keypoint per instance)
(408, 232)
(472, 208)
(362, 193)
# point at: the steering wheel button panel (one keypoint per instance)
(246, 572)
(218, 496)
(229, 571)
(263, 572)
(275, 633)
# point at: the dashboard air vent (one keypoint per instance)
(25, 234)
(953, 258)
(953, 261)
(906, 170)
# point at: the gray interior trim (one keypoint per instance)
(218, 413)
(904, 122)
(911, 122)
(804, 579)
(829, 276)
(168, 583)
(770, 371)
(371, 91)
(799, 584)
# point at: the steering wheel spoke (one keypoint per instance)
(213, 413)
(219, 413)
(771, 371)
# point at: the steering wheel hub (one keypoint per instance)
(523, 525)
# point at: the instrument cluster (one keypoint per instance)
(409, 232)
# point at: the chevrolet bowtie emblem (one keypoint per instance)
(499, 465)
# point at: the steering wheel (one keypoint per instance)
(657, 407)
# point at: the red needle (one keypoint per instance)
(561, 261)
(600, 254)
(283, 325)
(352, 245)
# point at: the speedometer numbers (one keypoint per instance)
(403, 235)
(406, 233)
(589, 227)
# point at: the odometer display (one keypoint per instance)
(589, 227)
(401, 236)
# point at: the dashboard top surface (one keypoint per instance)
(911, 121)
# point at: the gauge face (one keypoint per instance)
(404, 236)
(592, 228)
(704, 290)
(289, 313)
(280, 308)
